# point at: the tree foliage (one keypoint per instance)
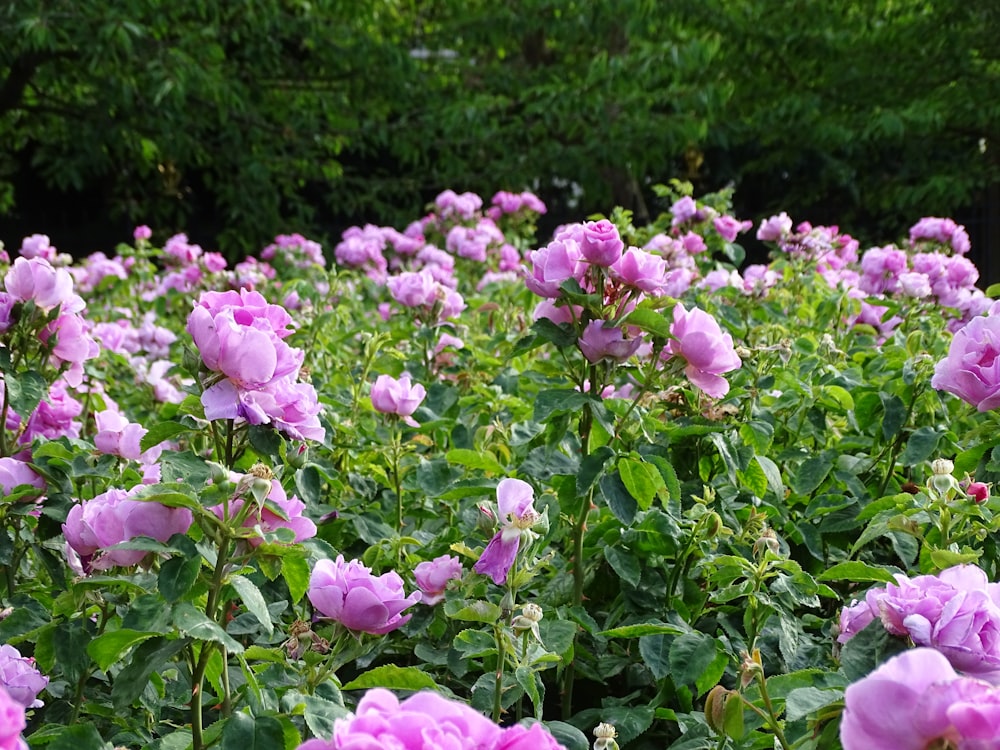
(248, 118)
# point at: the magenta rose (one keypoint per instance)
(971, 370)
(348, 593)
(602, 244)
(642, 270)
(698, 339)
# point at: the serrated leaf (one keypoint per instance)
(149, 657)
(253, 600)
(803, 701)
(625, 564)
(479, 460)
(479, 610)
(108, 648)
(196, 624)
(392, 677)
(944, 558)
(245, 732)
(638, 631)
(295, 570)
(25, 390)
(642, 480)
(161, 431)
(79, 737)
(690, 656)
(853, 570)
(650, 321)
(177, 576)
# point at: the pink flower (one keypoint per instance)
(350, 594)
(35, 279)
(515, 501)
(117, 436)
(113, 517)
(433, 575)
(463, 206)
(20, 678)
(413, 288)
(971, 370)
(916, 701)
(708, 351)
(12, 723)
(553, 264)
(141, 232)
(683, 210)
(15, 473)
(642, 270)
(775, 228)
(400, 397)
(602, 244)
(600, 341)
(694, 243)
(729, 226)
(264, 520)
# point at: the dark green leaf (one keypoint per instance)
(392, 677)
(245, 732)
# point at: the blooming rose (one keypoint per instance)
(916, 701)
(413, 288)
(602, 244)
(708, 351)
(397, 396)
(14, 473)
(515, 501)
(20, 678)
(12, 723)
(350, 594)
(433, 575)
(972, 368)
(775, 228)
(641, 269)
(553, 264)
(599, 341)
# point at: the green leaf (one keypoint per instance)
(244, 732)
(475, 611)
(619, 501)
(108, 648)
(195, 624)
(625, 564)
(320, 713)
(773, 475)
(392, 677)
(754, 479)
(479, 460)
(177, 576)
(25, 390)
(655, 652)
(803, 701)
(295, 570)
(691, 655)
(558, 401)
(650, 321)
(557, 635)
(161, 431)
(856, 571)
(71, 640)
(812, 472)
(79, 737)
(149, 657)
(592, 468)
(253, 600)
(561, 335)
(638, 631)
(944, 558)
(527, 678)
(895, 415)
(642, 480)
(921, 445)
(567, 735)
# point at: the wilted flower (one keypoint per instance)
(348, 593)
(21, 679)
(515, 501)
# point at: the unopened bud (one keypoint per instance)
(978, 491)
(766, 542)
(942, 466)
(260, 488)
(531, 615)
(713, 525)
(298, 457)
(750, 667)
(715, 707)
(605, 734)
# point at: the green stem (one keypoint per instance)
(498, 635)
(771, 716)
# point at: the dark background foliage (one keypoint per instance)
(236, 121)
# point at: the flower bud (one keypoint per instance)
(298, 457)
(713, 525)
(715, 706)
(942, 466)
(766, 542)
(531, 615)
(605, 734)
(978, 491)
(262, 471)
(260, 488)
(750, 667)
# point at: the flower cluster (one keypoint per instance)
(241, 339)
(956, 612)
(347, 592)
(113, 517)
(19, 677)
(294, 251)
(916, 701)
(426, 720)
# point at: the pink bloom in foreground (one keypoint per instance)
(117, 436)
(698, 339)
(602, 244)
(12, 723)
(432, 576)
(349, 593)
(427, 721)
(20, 678)
(971, 370)
(916, 701)
(14, 473)
(515, 501)
(642, 270)
(553, 264)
